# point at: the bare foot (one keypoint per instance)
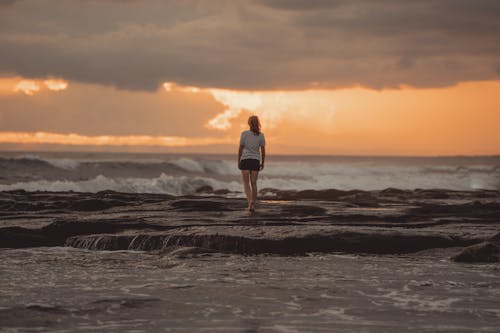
(251, 206)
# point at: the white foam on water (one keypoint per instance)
(166, 184)
(188, 164)
(61, 163)
(188, 184)
(299, 173)
(221, 167)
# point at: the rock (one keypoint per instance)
(391, 191)
(292, 222)
(432, 193)
(205, 189)
(482, 252)
(327, 195)
(56, 233)
(281, 240)
(222, 191)
(302, 210)
(96, 204)
(199, 205)
(17, 237)
(362, 199)
(495, 239)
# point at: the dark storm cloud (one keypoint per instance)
(302, 4)
(6, 2)
(267, 44)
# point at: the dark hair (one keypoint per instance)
(254, 124)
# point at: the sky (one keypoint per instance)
(374, 77)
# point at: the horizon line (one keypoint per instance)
(231, 154)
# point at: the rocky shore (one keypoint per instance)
(390, 221)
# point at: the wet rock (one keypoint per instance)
(388, 221)
(56, 233)
(488, 210)
(302, 210)
(483, 252)
(38, 201)
(432, 193)
(274, 241)
(200, 205)
(390, 191)
(222, 191)
(61, 229)
(495, 239)
(331, 194)
(96, 204)
(17, 237)
(205, 189)
(362, 199)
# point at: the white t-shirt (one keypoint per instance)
(251, 144)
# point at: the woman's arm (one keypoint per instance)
(240, 151)
(263, 156)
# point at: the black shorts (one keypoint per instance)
(249, 164)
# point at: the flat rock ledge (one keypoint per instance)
(486, 252)
(390, 221)
(278, 241)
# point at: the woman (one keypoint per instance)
(250, 159)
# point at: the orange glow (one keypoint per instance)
(9, 85)
(55, 84)
(458, 120)
(107, 140)
(29, 87)
(462, 119)
(312, 107)
(172, 86)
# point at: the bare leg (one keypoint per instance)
(245, 175)
(253, 182)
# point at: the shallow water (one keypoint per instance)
(66, 290)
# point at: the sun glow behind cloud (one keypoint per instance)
(28, 87)
(56, 84)
(32, 87)
(107, 140)
(313, 107)
(462, 119)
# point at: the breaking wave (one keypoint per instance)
(181, 175)
(31, 160)
(167, 184)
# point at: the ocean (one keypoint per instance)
(185, 174)
(110, 242)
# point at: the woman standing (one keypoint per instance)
(251, 156)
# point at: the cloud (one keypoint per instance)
(32, 87)
(314, 108)
(29, 87)
(6, 2)
(74, 139)
(94, 110)
(252, 45)
(302, 4)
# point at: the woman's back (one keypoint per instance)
(251, 143)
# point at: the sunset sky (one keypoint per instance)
(374, 77)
